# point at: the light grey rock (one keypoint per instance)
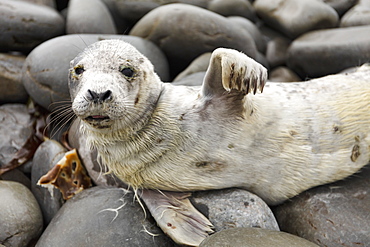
(276, 52)
(15, 129)
(331, 215)
(200, 64)
(11, 87)
(324, 52)
(241, 8)
(45, 71)
(194, 79)
(50, 3)
(89, 16)
(25, 25)
(283, 74)
(232, 208)
(358, 15)
(21, 218)
(254, 237)
(16, 175)
(294, 18)
(174, 29)
(102, 217)
(45, 158)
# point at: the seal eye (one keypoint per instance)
(79, 70)
(127, 72)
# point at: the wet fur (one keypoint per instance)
(276, 144)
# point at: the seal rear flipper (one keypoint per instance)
(177, 217)
(232, 70)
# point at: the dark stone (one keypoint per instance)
(331, 215)
(294, 18)
(359, 15)
(50, 199)
(324, 52)
(45, 72)
(11, 87)
(341, 6)
(21, 218)
(276, 53)
(241, 8)
(102, 217)
(174, 29)
(25, 25)
(89, 16)
(254, 237)
(232, 208)
(283, 74)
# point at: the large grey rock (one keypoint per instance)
(358, 15)
(89, 16)
(276, 52)
(102, 217)
(252, 29)
(200, 64)
(324, 52)
(331, 215)
(45, 71)
(11, 87)
(241, 8)
(25, 25)
(294, 18)
(15, 129)
(184, 32)
(254, 237)
(232, 208)
(21, 218)
(45, 158)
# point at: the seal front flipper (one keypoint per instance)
(232, 70)
(177, 217)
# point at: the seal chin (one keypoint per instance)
(98, 121)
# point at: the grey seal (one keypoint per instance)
(226, 133)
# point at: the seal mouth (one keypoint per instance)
(97, 118)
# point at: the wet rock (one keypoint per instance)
(283, 74)
(252, 29)
(241, 8)
(11, 87)
(324, 52)
(331, 215)
(200, 64)
(102, 217)
(82, 17)
(15, 128)
(232, 208)
(25, 25)
(254, 237)
(341, 6)
(21, 219)
(45, 76)
(358, 15)
(173, 26)
(276, 52)
(49, 199)
(294, 18)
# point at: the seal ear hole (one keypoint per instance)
(126, 71)
(79, 70)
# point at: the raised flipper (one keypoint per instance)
(232, 70)
(177, 217)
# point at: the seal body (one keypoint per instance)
(276, 144)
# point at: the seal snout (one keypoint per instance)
(98, 97)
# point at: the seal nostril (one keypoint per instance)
(106, 95)
(98, 97)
